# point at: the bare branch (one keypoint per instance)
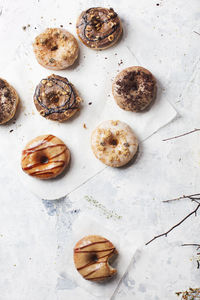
(196, 245)
(196, 32)
(194, 212)
(178, 136)
(192, 197)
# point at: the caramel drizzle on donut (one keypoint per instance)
(106, 256)
(90, 23)
(32, 150)
(62, 108)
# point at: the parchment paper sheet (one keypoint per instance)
(92, 76)
(83, 226)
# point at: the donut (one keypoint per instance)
(99, 28)
(114, 143)
(56, 98)
(92, 255)
(8, 101)
(56, 49)
(134, 89)
(45, 157)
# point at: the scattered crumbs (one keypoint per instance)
(14, 122)
(61, 26)
(90, 103)
(106, 212)
(11, 130)
(106, 58)
(70, 23)
(35, 27)
(84, 126)
(24, 28)
(157, 4)
(120, 63)
(108, 95)
(115, 53)
(190, 294)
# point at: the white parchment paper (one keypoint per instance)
(83, 226)
(92, 75)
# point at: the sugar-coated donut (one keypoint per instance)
(45, 157)
(9, 100)
(56, 98)
(134, 89)
(114, 143)
(56, 49)
(92, 255)
(99, 28)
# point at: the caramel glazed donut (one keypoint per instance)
(99, 28)
(114, 143)
(45, 157)
(8, 101)
(55, 49)
(134, 89)
(92, 255)
(56, 98)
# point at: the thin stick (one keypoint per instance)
(196, 245)
(191, 197)
(179, 223)
(196, 32)
(178, 136)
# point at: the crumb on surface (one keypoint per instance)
(84, 126)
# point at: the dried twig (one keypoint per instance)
(178, 136)
(196, 245)
(194, 212)
(192, 197)
(196, 32)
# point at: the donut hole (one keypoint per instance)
(113, 142)
(94, 257)
(44, 159)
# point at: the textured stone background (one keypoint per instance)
(33, 231)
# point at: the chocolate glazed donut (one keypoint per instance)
(55, 98)
(99, 28)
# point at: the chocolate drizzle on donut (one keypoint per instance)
(43, 159)
(95, 259)
(99, 27)
(52, 91)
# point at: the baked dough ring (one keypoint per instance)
(99, 28)
(56, 98)
(92, 255)
(134, 89)
(56, 49)
(45, 157)
(8, 101)
(114, 143)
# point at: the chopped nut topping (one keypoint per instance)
(111, 37)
